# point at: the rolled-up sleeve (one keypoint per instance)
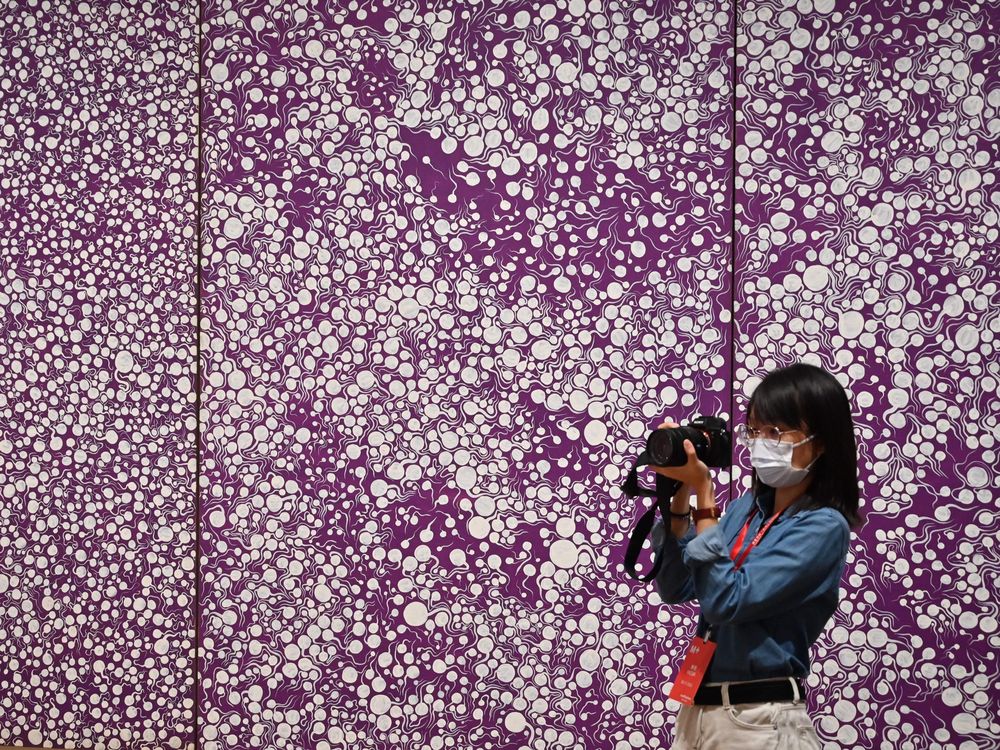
(808, 557)
(673, 580)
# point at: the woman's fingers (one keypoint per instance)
(669, 473)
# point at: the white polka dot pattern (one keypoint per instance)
(867, 206)
(98, 166)
(459, 261)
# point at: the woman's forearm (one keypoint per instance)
(681, 503)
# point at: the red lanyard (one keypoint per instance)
(738, 557)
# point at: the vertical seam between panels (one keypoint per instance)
(197, 393)
(732, 249)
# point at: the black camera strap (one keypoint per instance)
(665, 490)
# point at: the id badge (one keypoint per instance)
(692, 671)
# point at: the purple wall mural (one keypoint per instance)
(98, 163)
(456, 262)
(867, 215)
(459, 261)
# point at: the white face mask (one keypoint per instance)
(774, 462)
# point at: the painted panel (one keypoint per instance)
(97, 370)
(867, 243)
(459, 261)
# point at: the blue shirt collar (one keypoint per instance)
(765, 500)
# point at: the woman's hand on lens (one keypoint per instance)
(694, 473)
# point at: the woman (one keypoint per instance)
(766, 573)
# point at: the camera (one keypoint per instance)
(713, 443)
(712, 440)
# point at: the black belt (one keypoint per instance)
(757, 691)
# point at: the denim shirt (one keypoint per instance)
(766, 614)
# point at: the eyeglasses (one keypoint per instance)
(770, 434)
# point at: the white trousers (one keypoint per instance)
(774, 725)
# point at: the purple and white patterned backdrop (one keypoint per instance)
(867, 243)
(456, 261)
(98, 163)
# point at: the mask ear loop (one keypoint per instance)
(803, 442)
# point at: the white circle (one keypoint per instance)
(415, 614)
(479, 527)
(816, 278)
(882, 215)
(596, 432)
(564, 553)
(124, 361)
(832, 141)
(233, 228)
(566, 72)
(515, 721)
(379, 704)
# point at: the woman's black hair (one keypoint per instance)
(808, 397)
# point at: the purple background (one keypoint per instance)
(456, 262)
(868, 243)
(98, 165)
(443, 314)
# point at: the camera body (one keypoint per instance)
(711, 437)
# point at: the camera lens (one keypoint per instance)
(666, 446)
